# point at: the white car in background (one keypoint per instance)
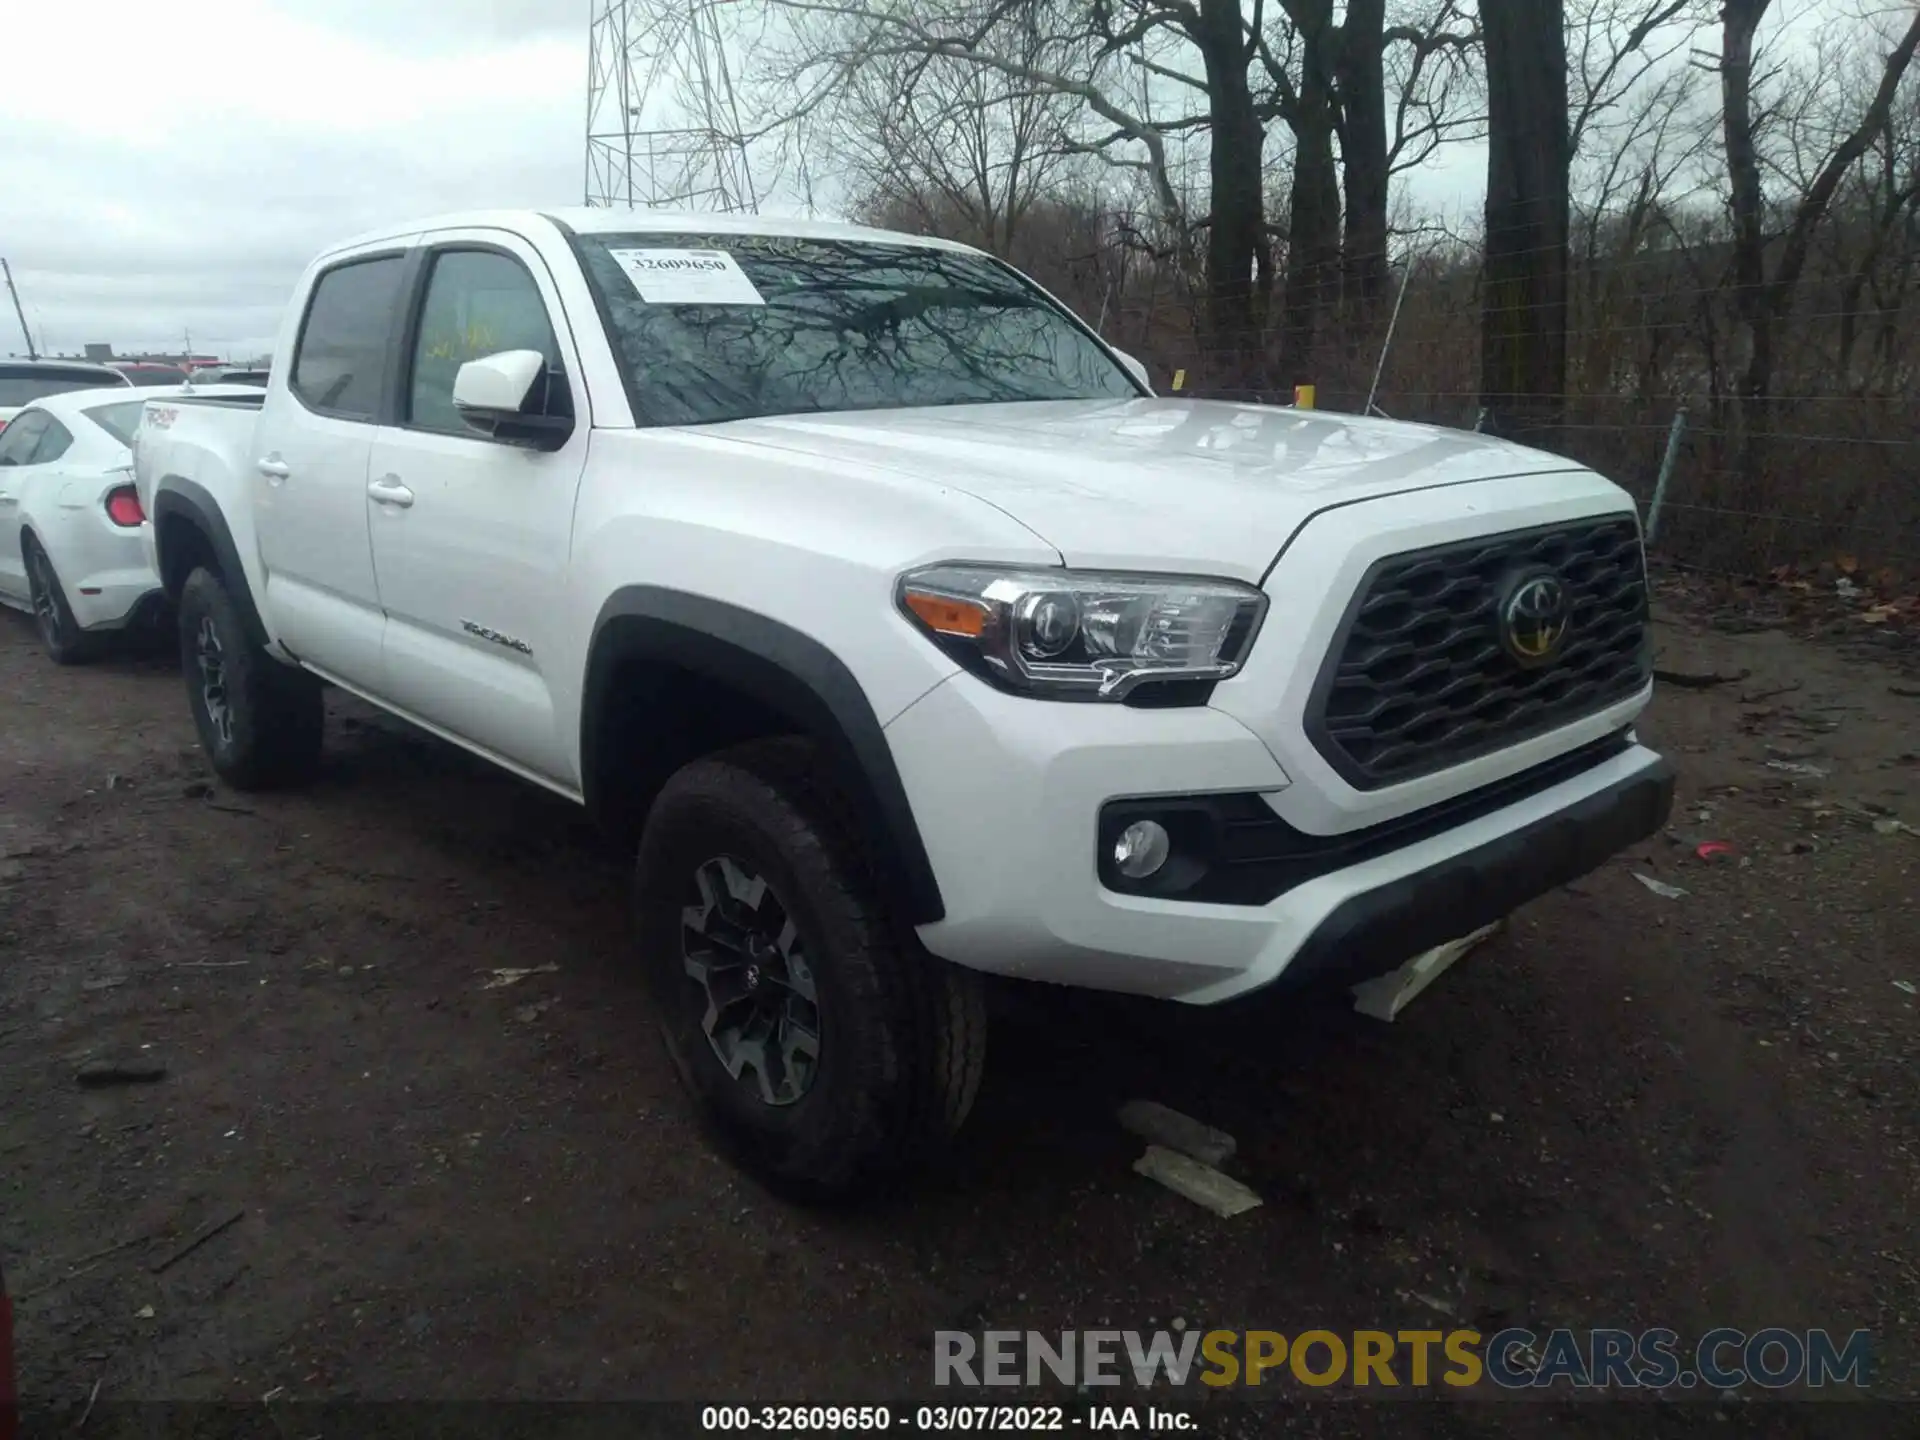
(70, 519)
(24, 381)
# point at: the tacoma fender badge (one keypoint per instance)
(510, 641)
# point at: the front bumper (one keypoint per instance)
(1008, 794)
(1373, 931)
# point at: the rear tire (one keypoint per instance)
(752, 873)
(260, 721)
(60, 634)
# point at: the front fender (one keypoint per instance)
(783, 669)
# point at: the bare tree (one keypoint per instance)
(1613, 46)
(1328, 78)
(1143, 78)
(1886, 205)
(939, 145)
(1523, 328)
(1415, 55)
(1088, 53)
(1624, 206)
(1763, 292)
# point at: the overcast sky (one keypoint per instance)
(170, 168)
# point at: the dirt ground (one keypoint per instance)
(1630, 1110)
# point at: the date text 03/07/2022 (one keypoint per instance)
(985, 1419)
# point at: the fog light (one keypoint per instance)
(1142, 849)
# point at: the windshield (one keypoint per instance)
(722, 327)
(119, 421)
(22, 385)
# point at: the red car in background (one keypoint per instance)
(144, 373)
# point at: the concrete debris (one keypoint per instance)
(503, 978)
(1202, 1184)
(1159, 1125)
(1798, 767)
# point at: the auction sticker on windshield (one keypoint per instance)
(687, 277)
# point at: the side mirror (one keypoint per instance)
(1136, 369)
(504, 396)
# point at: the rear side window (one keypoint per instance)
(55, 441)
(17, 442)
(119, 421)
(341, 360)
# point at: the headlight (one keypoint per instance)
(1069, 634)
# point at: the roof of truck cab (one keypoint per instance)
(608, 221)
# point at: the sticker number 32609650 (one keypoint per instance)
(687, 277)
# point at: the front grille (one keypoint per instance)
(1418, 679)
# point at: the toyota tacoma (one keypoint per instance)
(905, 632)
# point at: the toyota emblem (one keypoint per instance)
(1535, 616)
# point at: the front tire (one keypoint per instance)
(260, 721)
(825, 1047)
(60, 634)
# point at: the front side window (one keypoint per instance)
(724, 327)
(341, 360)
(479, 303)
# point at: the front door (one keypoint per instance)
(309, 483)
(471, 535)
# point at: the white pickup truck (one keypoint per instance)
(906, 631)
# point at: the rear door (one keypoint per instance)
(309, 483)
(471, 535)
(18, 442)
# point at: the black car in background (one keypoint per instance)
(229, 375)
(147, 374)
(24, 381)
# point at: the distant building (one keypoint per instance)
(103, 354)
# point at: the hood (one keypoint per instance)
(1154, 483)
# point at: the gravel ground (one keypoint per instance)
(1629, 1110)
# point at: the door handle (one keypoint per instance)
(388, 490)
(274, 468)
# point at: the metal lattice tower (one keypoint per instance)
(663, 128)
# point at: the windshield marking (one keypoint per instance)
(687, 277)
